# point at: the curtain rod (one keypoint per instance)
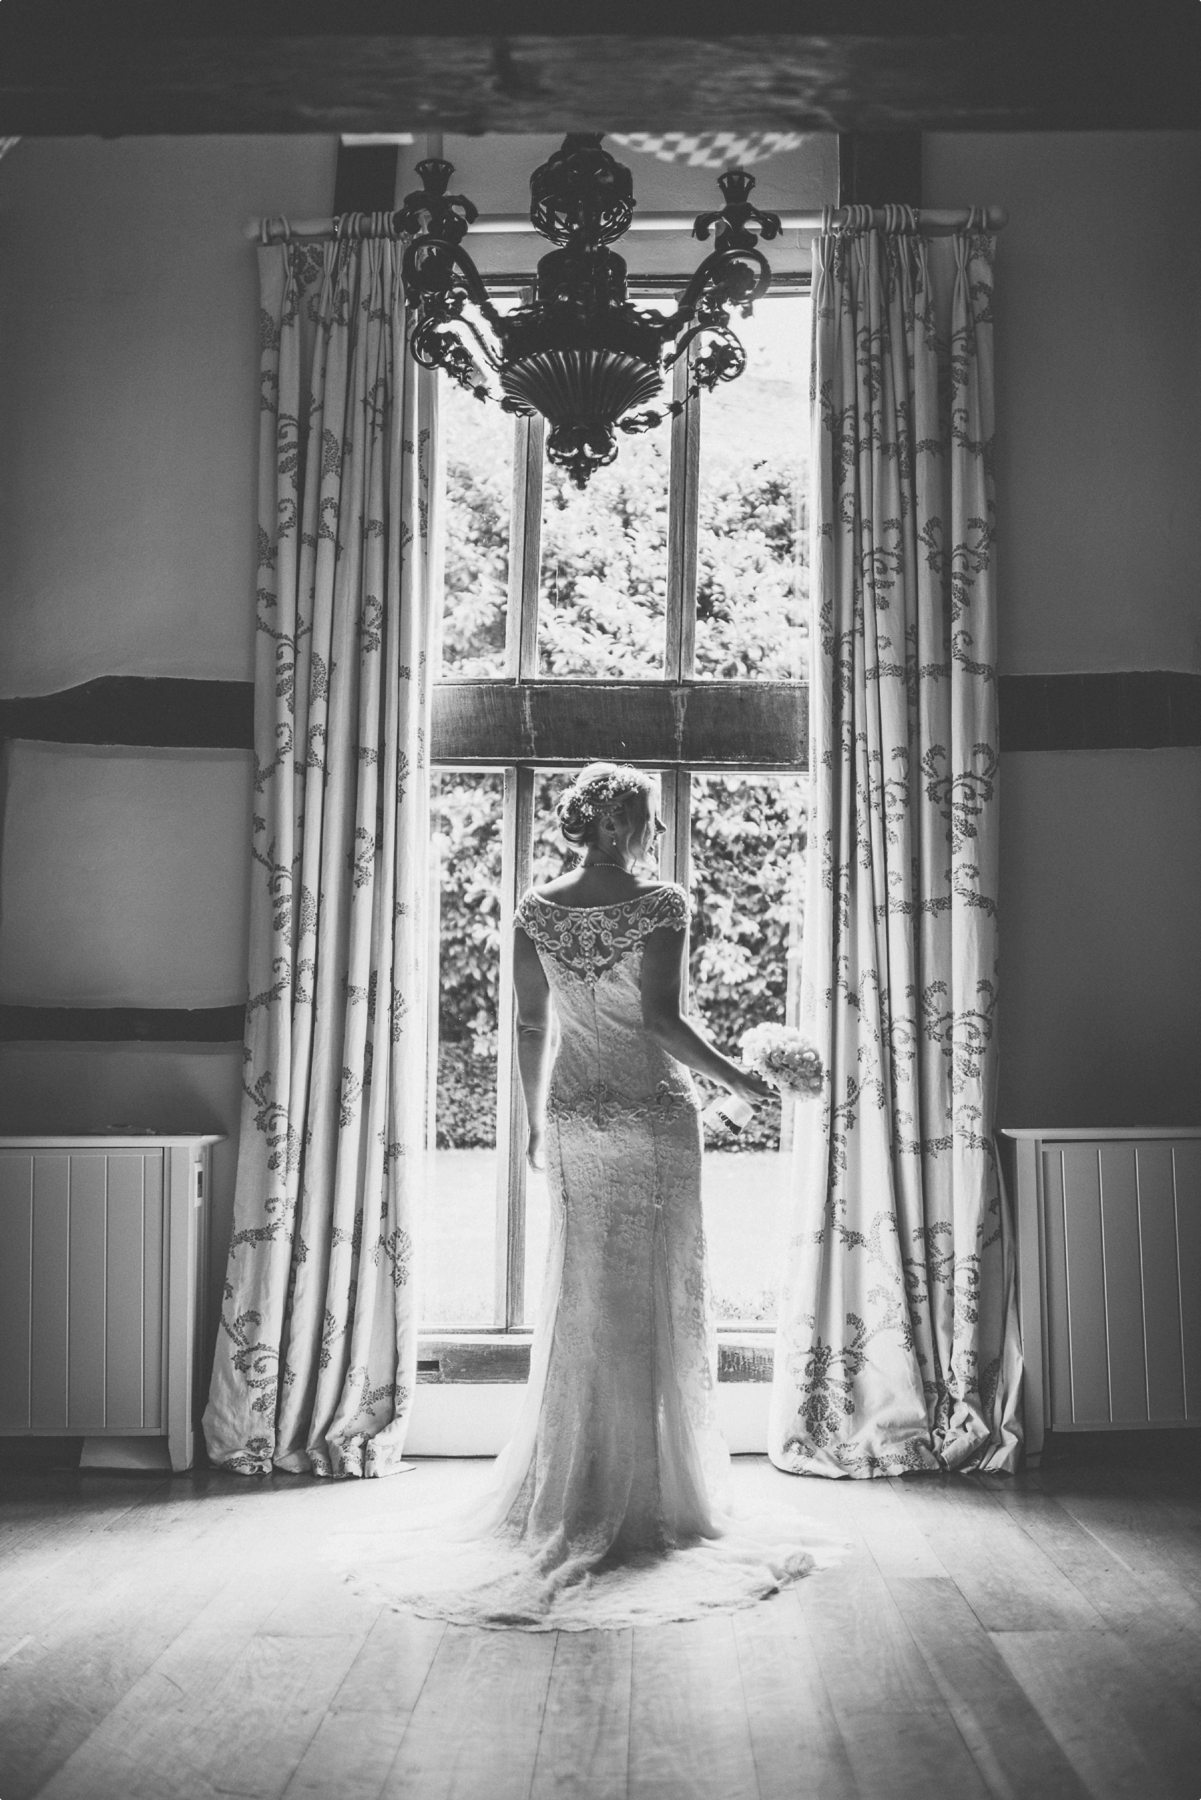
(938, 223)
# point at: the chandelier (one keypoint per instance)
(580, 353)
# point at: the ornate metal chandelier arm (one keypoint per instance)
(435, 346)
(431, 212)
(725, 278)
(701, 377)
(647, 421)
(739, 223)
(441, 276)
(718, 331)
(443, 328)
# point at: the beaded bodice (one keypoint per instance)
(589, 940)
(592, 956)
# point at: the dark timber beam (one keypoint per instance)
(1136, 709)
(141, 66)
(699, 725)
(122, 1024)
(135, 709)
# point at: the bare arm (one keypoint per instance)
(663, 955)
(535, 1039)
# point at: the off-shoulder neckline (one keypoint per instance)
(664, 887)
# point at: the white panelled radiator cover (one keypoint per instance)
(101, 1263)
(1109, 1247)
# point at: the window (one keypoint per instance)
(656, 618)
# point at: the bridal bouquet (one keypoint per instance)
(786, 1059)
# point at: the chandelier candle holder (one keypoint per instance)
(580, 353)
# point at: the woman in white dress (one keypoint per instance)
(608, 1506)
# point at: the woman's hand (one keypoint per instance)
(535, 1150)
(752, 1088)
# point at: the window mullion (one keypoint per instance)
(510, 1143)
(434, 968)
(525, 550)
(681, 528)
(676, 794)
(677, 816)
(682, 829)
(525, 562)
(525, 544)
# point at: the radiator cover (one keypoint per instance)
(101, 1266)
(1109, 1247)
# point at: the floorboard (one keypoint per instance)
(89, 1642)
(1032, 1638)
(909, 1755)
(391, 1667)
(349, 1757)
(36, 1516)
(1017, 1587)
(34, 1555)
(863, 1646)
(1015, 1753)
(212, 1717)
(1149, 1538)
(1152, 1613)
(474, 1731)
(798, 1749)
(891, 1534)
(689, 1733)
(584, 1746)
(1124, 1740)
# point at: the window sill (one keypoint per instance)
(471, 1358)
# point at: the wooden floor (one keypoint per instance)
(1034, 1638)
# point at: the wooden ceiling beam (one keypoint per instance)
(118, 67)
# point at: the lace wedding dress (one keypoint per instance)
(608, 1505)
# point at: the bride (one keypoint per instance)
(608, 1506)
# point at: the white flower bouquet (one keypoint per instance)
(779, 1054)
(776, 1053)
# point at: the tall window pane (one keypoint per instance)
(603, 601)
(458, 1226)
(549, 855)
(748, 837)
(751, 529)
(478, 505)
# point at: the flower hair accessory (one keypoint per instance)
(591, 800)
(782, 1056)
(590, 796)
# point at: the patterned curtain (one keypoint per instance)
(316, 1353)
(897, 1346)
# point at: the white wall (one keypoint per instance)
(123, 881)
(129, 357)
(1098, 297)
(1100, 947)
(1098, 345)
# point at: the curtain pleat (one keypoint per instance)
(897, 1347)
(316, 1354)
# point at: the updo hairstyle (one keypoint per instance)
(602, 787)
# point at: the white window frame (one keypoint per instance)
(718, 726)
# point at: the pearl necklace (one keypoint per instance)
(597, 863)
